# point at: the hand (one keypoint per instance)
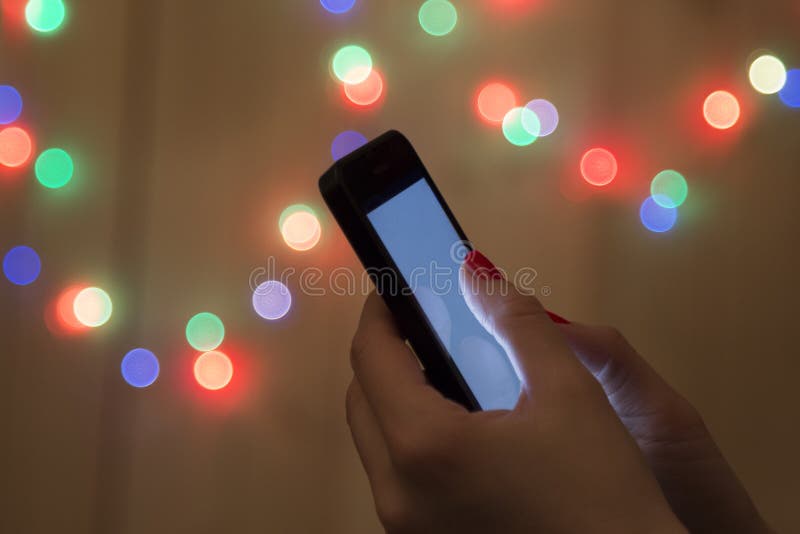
(561, 461)
(700, 486)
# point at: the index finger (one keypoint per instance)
(386, 368)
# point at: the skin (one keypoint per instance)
(597, 443)
(698, 482)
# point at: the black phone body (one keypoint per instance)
(399, 225)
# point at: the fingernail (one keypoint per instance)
(479, 265)
(557, 318)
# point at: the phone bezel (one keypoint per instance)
(355, 185)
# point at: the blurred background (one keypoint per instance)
(190, 126)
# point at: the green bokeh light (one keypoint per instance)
(438, 17)
(669, 189)
(521, 126)
(352, 64)
(291, 210)
(54, 168)
(45, 15)
(205, 331)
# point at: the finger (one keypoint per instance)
(387, 370)
(367, 437)
(518, 322)
(632, 386)
(684, 458)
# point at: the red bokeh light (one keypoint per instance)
(16, 147)
(690, 116)
(599, 166)
(248, 378)
(635, 167)
(514, 8)
(213, 370)
(12, 18)
(60, 315)
(494, 100)
(366, 93)
(721, 110)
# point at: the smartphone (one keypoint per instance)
(412, 247)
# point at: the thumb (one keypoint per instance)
(518, 322)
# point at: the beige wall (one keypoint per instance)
(193, 123)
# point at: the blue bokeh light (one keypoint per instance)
(10, 104)
(140, 368)
(272, 300)
(547, 114)
(22, 265)
(338, 6)
(790, 94)
(346, 142)
(657, 218)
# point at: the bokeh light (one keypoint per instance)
(346, 142)
(721, 110)
(10, 104)
(92, 307)
(767, 75)
(547, 114)
(494, 101)
(521, 126)
(669, 189)
(272, 300)
(514, 9)
(15, 147)
(338, 6)
(54, 168)
(657, 218)
(352, 64)
(300, 227)
(367, 92)
(65, 309)
(45, 15)
(22, 265)
(790, 94)
(140, 368)
(59, 315)
(599, 166)
(213, 370)
(530, 122)
(438, 17)
(205, 331)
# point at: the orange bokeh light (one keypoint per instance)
(15, 146)
(366, 93)
(301, 230)
(721, 110)
(494, 100)
(213, 370)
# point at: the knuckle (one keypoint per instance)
(519, 308)
(684, 418)
(426, 447)
(411, 449)
(614, 338)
